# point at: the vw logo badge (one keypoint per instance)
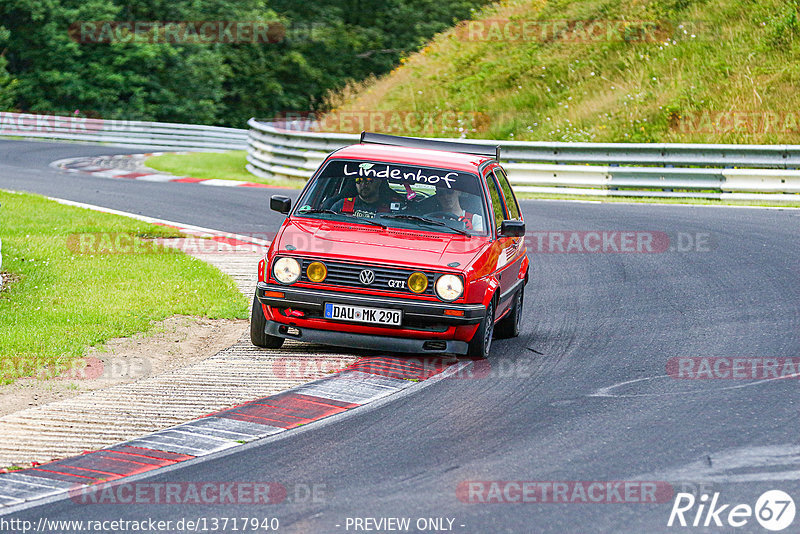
(366, 277)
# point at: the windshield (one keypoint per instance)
(390, 194)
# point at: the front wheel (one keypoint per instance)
(482, 340)
(258, 324)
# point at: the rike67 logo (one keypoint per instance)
(774, 510)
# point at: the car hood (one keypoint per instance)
(395, 246)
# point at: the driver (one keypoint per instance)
(450, 202)
(374, 196)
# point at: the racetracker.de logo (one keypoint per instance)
(177, 32)
(395, 122)
(741, 121)
(128, 243)
(578, 31)
(742, 368)
(616, 242)
(603, 242)
(203, 493)
(19, 123)
(564, 492)
(89, 368)
(416, 369)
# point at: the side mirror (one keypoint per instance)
(511, 228)
(280, 203)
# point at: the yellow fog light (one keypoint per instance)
(317, 271)
(417, 282)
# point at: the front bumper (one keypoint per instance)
(365, 341)
(414, 311)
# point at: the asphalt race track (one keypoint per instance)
(583, 394)
(25, 167)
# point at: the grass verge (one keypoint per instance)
(213, 165)
(61, 302)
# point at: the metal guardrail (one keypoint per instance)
(130, 134)
(742, 172)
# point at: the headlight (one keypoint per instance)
(317, 271)
(417, 282)
(449, 287)
(286, 270)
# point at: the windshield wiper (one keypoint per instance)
(332, 212)
(317, 210)
(425, 219)
(364, 220)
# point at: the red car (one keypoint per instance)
(397, 244)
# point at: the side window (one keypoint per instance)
(497, 202)
(511, 201)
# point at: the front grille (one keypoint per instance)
(347, 274)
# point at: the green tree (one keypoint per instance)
(8, 84)
(46, 68)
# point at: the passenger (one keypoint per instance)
(450, 202)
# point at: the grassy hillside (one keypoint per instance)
(717, 71)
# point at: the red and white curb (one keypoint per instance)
(367, 380)
(132, 167)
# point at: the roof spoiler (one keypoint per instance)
(431, 144)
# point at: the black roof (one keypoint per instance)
(431, 144)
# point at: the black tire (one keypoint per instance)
(257, 325)
(511, 324)
(482, 340)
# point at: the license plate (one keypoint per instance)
(362, 314)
